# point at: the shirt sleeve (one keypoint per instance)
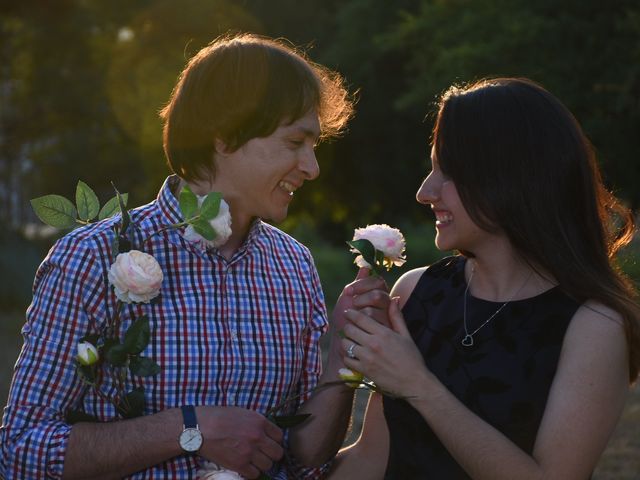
(312, 367)
(316, 328)
(68, 290)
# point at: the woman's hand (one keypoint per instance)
(368, 294)
(388, 356)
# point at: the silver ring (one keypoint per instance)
(350, 353)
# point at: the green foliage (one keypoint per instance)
(137, 336)
(188, 202)
(87, 202)
(113, 206)
(122, 61)
(55, 210)
(367, 250)
(132, 404)
(199, 216)
(143, 366)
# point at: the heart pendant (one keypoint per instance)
(467, 341)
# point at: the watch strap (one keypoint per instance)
(189, 416)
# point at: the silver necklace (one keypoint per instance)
(467, 341)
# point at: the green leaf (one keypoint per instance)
(288, 421)
(143, 366)
(204, 228)
(211, 206)
(188, 203)
(123, 209)
(132, 405)
(91, 338)
(86, 372)
(87, 202)
(55, 210)
(137, 336)
(366, 249)
(75, 416)
(115, 353)
(112, 207)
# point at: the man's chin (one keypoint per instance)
(279, 217)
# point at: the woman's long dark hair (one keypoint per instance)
(522, 165)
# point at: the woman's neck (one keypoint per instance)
(505, 276)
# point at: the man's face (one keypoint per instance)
(260, 178)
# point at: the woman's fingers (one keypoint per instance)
(362, 321)
(397, 319)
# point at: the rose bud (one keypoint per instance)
(87, 353)
(351, 378)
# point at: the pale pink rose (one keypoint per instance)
(221, 224)
(384, 238)
(136, 277)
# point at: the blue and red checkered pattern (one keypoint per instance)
(241, 332)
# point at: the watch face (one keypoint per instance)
(191, 439)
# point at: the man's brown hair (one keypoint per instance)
(241, 87)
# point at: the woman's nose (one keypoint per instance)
(427, 193)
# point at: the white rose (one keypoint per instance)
(385, 239)
(87, 353)
(136, 277)
(226, 475)
(221, 224)
(211, 471)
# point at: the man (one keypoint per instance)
(235, 329)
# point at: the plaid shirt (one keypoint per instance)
(243, 332)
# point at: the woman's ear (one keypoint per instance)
(221, 147)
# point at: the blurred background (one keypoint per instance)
(81, 82)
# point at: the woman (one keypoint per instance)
(512, 359)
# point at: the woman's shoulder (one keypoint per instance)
(597, 332)
(407, 283)
(595, 318)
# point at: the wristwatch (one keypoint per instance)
(191, 437)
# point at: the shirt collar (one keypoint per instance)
(167, 201)
(170, 212)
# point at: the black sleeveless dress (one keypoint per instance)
(504, 377)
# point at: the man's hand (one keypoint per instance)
(239, 439)
(368, 294)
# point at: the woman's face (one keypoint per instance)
(455, 230)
